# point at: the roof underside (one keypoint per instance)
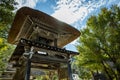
(29, 24)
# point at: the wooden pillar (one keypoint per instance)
(20, 72)
(69, 71)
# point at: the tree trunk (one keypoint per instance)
(105, 69)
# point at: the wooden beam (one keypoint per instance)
(37, 58)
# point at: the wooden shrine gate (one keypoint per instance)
(39, 39)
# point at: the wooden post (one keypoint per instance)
(28, 69)
(29, 53)
(69, 71)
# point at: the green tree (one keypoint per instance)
(6, 18)
(99, 44)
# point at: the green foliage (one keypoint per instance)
(5, 52)
(99, 44)
(6, 18)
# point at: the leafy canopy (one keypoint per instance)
(99, 44)
(6, 18)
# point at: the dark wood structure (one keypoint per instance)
(39, 39)
(27, 20)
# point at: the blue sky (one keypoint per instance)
(72, 12)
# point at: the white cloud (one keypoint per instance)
(28, 3)
(71, 11)
(68, 11)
